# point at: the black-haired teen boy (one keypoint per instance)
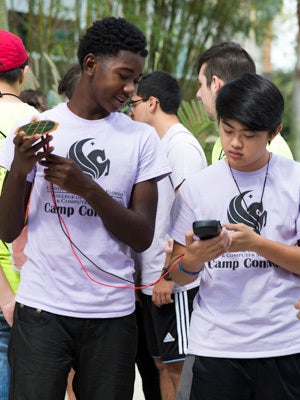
(166, 307)
(94, 197)
(243, 333)
(219, 64)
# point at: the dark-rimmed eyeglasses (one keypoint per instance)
(133, 103)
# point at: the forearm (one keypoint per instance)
(6, 293)
(131, 223)
(285, 256)
(178, 275)
(196, 253)
(134, 225)
(12, 206)
(183, 278)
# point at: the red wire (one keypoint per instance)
(170, 269)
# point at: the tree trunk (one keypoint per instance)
(266, 52)
(3, 16)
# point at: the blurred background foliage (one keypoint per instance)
(178, 31)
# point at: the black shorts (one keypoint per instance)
(167, 327)
(274, 378)
(44, 346)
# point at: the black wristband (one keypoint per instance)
(167, 277)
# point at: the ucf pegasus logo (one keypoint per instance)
(253, 215)
(93, 162)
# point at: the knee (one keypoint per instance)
(174, 370)
(160, 365)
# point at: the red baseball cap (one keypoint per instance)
(12, 51)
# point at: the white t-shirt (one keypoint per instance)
(117, 153)
(10, 112)
(244, 307)
(185, 156)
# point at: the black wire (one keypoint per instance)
(84, 255)
(77, 248)
(5, 245)
(9, 94)
(221, 155)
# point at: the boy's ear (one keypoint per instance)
(90, 63)
(24, 73)
(216, 84)
(153, 102)
(277, 130)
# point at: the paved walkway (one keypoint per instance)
(138, 391)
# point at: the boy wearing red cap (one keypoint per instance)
(13, 68)
(12, 52)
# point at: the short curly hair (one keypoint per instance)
(109, 36)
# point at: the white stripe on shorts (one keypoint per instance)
(182, 320)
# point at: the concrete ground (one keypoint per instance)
(138, 391)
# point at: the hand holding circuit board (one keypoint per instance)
(32, 143)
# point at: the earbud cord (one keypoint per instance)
(66, 232)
